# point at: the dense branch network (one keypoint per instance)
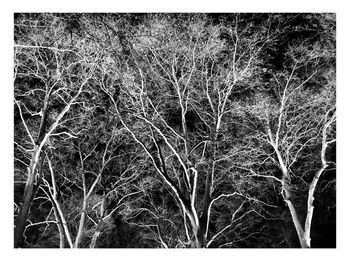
(174, 130)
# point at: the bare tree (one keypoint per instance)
(296, 126)
(188, 130)
(53, 78)
(180, 130)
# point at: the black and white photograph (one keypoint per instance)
(174, 130)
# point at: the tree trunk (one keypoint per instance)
(202, 232)
(201, 238)
(29, 191)
(94, 238)
(62, 224)
(81, 225)
(59, 226)
(298, 227)
(196, 231)
(21, 219)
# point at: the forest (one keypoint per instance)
(174, 130)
